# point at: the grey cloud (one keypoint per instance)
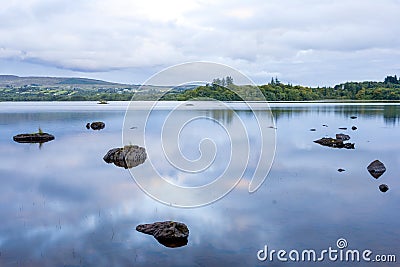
(295, 39)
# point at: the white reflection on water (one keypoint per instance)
(62, 205)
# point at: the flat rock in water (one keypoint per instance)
(343, 128)
(384, 188)
(33, 138)
(333, 142)
(127, 156)
(353, 117)
(354, 128)
(313, 129)
(170, 234)
(341, 170)
(376, 168)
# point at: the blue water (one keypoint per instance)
(62, 205)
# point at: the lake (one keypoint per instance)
(62, 205)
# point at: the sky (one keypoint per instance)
(309, 42)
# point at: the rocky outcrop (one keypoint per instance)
(127, 156)
(334, 142)
(33, 138)
(96, 125)
(168, 233)
(376, 169)
(343, 137)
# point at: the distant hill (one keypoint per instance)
(16, 81)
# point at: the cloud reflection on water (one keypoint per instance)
(63, 205)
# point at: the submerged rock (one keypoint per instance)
(376, 168)
(96, 125)
(127, 156)
(334, 142)
(33, 138)
(170, 234)
(384, 188)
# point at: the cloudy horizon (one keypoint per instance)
(312, 43)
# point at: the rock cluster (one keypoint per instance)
(96, 125)
(335, 142)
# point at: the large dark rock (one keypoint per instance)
(353, 117)
(97, 125)
(376, 168)
(127, 156)
(170, 234)
(334, 142)
(33, 138)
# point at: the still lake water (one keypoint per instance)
(62, 205)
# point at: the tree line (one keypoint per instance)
(224, 89)
(389, 89)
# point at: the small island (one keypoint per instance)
(39, 137)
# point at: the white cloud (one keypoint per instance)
(292, 38)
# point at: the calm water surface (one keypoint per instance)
(62, 205)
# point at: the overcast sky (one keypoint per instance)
(308, 42)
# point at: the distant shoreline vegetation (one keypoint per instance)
(220, 89)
